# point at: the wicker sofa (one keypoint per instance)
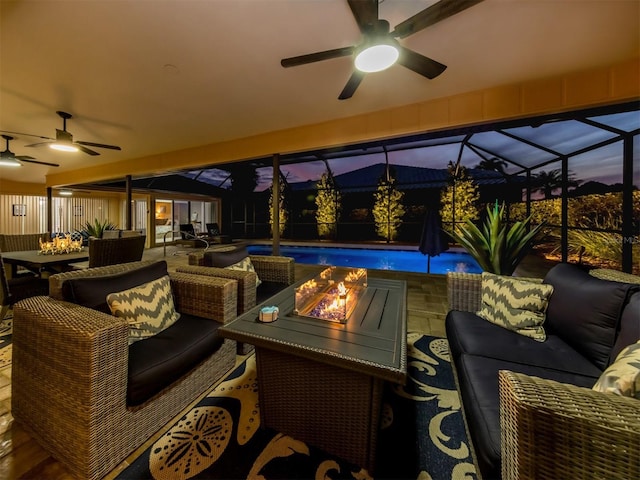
(84, 393)
(529, 406)
(275, 272)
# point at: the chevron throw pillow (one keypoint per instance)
(515, 304)
(148, 308)
(245, 265)
(622, 377)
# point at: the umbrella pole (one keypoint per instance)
(428, 263)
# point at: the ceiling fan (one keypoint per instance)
(64, 140)
(376, 33)
(8, 158)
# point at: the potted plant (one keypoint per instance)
(497, 247)
(96, 229)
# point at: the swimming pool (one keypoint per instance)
(398, 260)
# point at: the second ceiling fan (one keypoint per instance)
(64, 140)
(376, 32)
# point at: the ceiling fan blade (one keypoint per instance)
(350, 88)
(31, 160)
(86, 150)
(434, 14)
(99, 145)
(420, 64)
(316, 57)
(27, 135)
(39, 144)
(365, 13)
(24, 157)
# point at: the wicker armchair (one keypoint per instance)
(70, 368)
(273, 269)
(557, 430)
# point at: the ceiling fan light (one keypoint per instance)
(63, 147)
(376, 58)
(9, 162)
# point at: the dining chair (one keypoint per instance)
(22, 241)
(111, 251)
(16, 289)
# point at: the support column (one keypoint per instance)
(628, 238)
(49, 210)
(275, 249)
(129, 207)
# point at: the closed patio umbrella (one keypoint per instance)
(433, 240)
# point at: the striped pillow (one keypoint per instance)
(622, 377)
(515, 304)
(148, 308)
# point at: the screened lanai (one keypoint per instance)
(577, 171)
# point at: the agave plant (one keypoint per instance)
(497, 248)
(97, 228)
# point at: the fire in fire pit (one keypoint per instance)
(332, 295)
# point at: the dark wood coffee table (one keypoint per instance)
(321, 382)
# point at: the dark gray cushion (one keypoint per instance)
(92, 291)
(469, 334)
(585, 311)
(158, 361)
(478, 380)
(629, 331)
(226, 258)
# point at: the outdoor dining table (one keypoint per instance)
(36, 262)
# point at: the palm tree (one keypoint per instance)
(548, 182)
(244, 178)
(494, 164)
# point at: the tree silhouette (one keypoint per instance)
(244, 178)
(548, 182)
(494, 164)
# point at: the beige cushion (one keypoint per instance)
(246, 266)
(148, 308)
(622, 377)
(516, 304)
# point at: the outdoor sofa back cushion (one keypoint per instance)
(585, 311)
(92, 291)
(225, 258)
(629, 326)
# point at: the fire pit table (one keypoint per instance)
(321, 381)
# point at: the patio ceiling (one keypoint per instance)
(525, 145)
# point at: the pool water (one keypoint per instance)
(398, 260)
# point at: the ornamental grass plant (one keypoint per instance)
(497, 247)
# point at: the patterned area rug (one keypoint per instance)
(422, 434)
(6, 329)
